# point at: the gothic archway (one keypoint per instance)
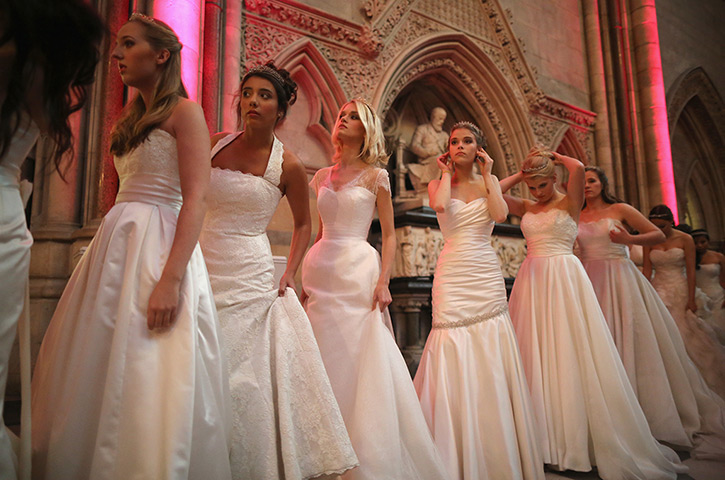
(697, 130)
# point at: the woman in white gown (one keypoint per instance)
(470, 380)
(34, 94)
(346, 292)
(586, 412)
(286, 423)
(710, 277)
(680, 408)
(129, 381)
(673, 262)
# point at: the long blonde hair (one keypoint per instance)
(372, 151)
(137, 121)
(538, 163)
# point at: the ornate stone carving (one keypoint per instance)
(387, 23)
(264, 42)
(547, 129)
(305, 20)
(417, 251)
(466, 16)
(357, 75)
(415, 26)
(370, 43)
(511, 252)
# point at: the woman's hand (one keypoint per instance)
(163, 301)
(445, 164)
(382, 297)
(620, 235)
(287, 281)
(692, 305)
(485, 161)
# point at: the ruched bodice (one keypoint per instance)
(346, 214)
(150, 172)
(20, 145)
(669, 266)
(467, 267)
(549, 233)
(242, 203)
(595, 243)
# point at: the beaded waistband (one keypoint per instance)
(472, 320)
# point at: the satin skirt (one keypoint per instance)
(680, 409)
(114, 400)
(586, 411)
(15, 243)
(366, 369)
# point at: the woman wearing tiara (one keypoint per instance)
(346, 291)
(673, 262)
(710, 277)
(586, 412)
(129, 382)
(470, 380)
(680, 408)
(286, 423)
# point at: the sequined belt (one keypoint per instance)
(472, 320)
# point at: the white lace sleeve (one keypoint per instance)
(382, 180)
(316, 181)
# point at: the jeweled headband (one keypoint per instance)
(665, 216)
(536, 169)
(264, 69)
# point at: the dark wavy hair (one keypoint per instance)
(60, 40)
(662, 212)
(604, 180)
(284, 87)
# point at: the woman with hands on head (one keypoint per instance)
(680, 408)
(129, 381)
(348, 296)
(673, 262)
(470, 381)
(286, 423)
(586, 411)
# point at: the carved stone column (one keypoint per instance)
(411, 316)
(212, 66)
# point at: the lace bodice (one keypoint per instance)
(549, 233)
(347, 211)
(150, 172)
(20, 146)
(242, 203)
(594, 242)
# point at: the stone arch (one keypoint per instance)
(320, 96)
(697, 134)
(567, 143)
(456, 61)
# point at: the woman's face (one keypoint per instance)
(349, 128)
(662, 224)
(462, 147)
(592, 185)
(541, 188)
(258, 104)
(138, 63)
(702, 244)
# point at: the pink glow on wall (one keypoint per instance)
(185, 17)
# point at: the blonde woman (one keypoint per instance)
(346, 293)
(586, 412)
(129, 381)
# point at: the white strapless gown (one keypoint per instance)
(286, 423)
(15, 243)
(679, 406)
(708, 280)
(367, 371)
(470, 380)
(586, 410)
(700, 339)
(113, 400)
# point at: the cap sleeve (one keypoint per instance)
(382, 180)
(318, 179)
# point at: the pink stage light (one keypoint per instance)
(185, 17)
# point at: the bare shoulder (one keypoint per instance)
(218, 136)
(186, 114)
(290, 161)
